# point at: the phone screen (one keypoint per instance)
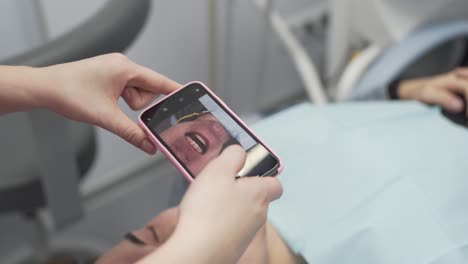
(196, 128)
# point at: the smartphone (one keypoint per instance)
(192, 126)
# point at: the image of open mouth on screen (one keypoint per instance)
(196, 129)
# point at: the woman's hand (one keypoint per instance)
(232, 209)
(219, 215)
(88, 91)
(440, 90)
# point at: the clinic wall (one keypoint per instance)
(175, 42)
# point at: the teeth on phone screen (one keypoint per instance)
(194, 145)
(202, 140)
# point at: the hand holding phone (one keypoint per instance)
(215, 207)
(192, 126)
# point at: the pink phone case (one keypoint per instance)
(171, 157)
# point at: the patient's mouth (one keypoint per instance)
(197, 142)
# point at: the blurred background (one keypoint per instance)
(259, 56)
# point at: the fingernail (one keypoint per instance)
(148, 147)
(457, 105)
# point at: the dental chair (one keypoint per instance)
(44, 156)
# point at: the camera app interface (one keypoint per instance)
(196, 129)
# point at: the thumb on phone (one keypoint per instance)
(123, 126)
(227, 164)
